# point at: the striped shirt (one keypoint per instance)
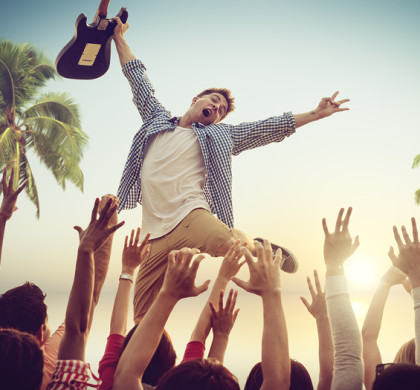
(218, 143)
(72, 375)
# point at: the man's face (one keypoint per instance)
(209, 109)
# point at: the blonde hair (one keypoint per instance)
(406, 353)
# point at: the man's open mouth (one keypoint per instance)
(206, 112)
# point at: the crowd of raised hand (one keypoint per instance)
(144, 358)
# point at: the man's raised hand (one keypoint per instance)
(329, 106)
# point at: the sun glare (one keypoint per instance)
(361, 272)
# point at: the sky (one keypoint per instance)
(275, 56)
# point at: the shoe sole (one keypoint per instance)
(289, 262)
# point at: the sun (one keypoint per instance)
(361, 272)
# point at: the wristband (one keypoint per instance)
(125, 276)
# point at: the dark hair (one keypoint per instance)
(203, 374)
(21, 360)
(23, 308)
(404, 376)
(226, 94)
(299, 377)
(163, 359)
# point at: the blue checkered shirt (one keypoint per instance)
(218, 143)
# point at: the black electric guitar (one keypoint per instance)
(88, 54)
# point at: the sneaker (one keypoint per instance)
(289, 262)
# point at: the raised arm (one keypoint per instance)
(80, 301)
(222, 321)
(141, 87)
(265, 281)
(133, 255)
(408, 261)
(178, 283)
(372, 325)
(318, 309)
(102, 255)
(348, 366)
(8, 204)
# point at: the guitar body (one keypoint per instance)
(87, 56)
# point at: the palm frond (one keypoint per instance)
(8, 146)
(58, 157)
(416, 162)
(31, 189)
(55, 105)
(27, 68)
(417, 197)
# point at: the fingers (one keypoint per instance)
(240, 283)
(248, 257)
(200, 289)
(78, 229)
(324, 227)
(136, 241)
(115, 227)
(338, 222)
(397, 237)
(305, 302)
(347, 218)
(132, 237)
(94, 210)
(415, 232)
(125, 242)
(334, 95)
(20, 189)
(278, 258)
(405, 235)
(311, 288)
(317, 283)
(391, 255)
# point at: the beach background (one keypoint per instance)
(275, 56)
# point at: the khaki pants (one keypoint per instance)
(199, 229)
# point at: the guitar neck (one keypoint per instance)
(102, 9)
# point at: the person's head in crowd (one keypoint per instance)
(163, 359)
(406, 353)
(203, 374)
(403, 376)
(23, 308)
(21, 360)
(299, 377)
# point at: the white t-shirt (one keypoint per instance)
(173, 177)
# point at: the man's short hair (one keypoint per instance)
(23, 308)
(21, 361)
(227, 95)
(203, 374)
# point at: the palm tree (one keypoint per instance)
(46, 124)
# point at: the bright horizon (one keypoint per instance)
(275, 56)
